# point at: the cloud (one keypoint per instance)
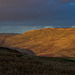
(64, 1)
(37, 12)
(48, 27)
(20, 3)
(73, 26)
(21, 10)
(29, 3)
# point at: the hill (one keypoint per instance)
(3, 36)
(52, 42)
(14, 63)
(8, 34)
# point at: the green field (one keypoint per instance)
(15, 63)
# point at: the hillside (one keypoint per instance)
(8, 34)
(3, 36)
(53, 42)
(14, 63)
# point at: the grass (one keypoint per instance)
(14, 63)
(45, 42)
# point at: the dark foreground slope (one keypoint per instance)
(52, 42)
(14, 63)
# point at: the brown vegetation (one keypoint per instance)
(53, 42)
(14, 63)
(8, 34)
(4, 36)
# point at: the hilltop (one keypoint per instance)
(52, 42)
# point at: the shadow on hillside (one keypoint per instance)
(23, 51)
(26, 51)
(8, 49)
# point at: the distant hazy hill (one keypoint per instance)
(8, 34)
(3, 36)
(53, 42)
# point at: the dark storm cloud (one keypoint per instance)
(64, 1)
(20, 3)
(20, 9)
(37, 12)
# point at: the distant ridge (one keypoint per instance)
(8, 34)
(52, 42)
(3, 37)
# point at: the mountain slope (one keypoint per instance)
(55, 42)
(3, 36)
(14, 63)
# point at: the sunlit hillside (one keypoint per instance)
(53, 42)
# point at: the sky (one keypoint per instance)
(24, 15)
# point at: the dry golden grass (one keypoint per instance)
(46, 42)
